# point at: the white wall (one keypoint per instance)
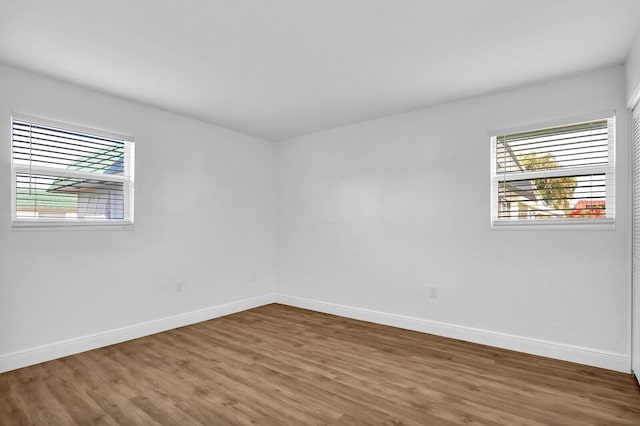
(369, 216)
(633, 72)
(204, 213)
(372, 214)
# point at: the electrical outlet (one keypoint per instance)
(179, 286)
(433, 292)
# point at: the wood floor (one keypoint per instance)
(282, 365)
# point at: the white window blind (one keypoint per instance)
(556, 175)
(68, 175)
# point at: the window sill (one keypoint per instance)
(66, 225)
(555, 225)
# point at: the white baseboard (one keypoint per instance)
(12, 361)
(594, 357)
(603, 359)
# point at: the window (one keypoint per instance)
(560, 175)
(69, 176)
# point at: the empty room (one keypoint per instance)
(320, 212)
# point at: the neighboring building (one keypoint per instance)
(589, 209)
(96, 198)
(590, 204)
(42, 203)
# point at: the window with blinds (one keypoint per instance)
(556, 175)
(65, 175)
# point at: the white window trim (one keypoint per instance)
(604, 224)
(69, 126)
(23, 224)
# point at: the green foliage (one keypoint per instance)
(556, 192)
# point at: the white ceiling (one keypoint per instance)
(281, 68)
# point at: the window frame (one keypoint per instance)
(128, 181)
(607, 223)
